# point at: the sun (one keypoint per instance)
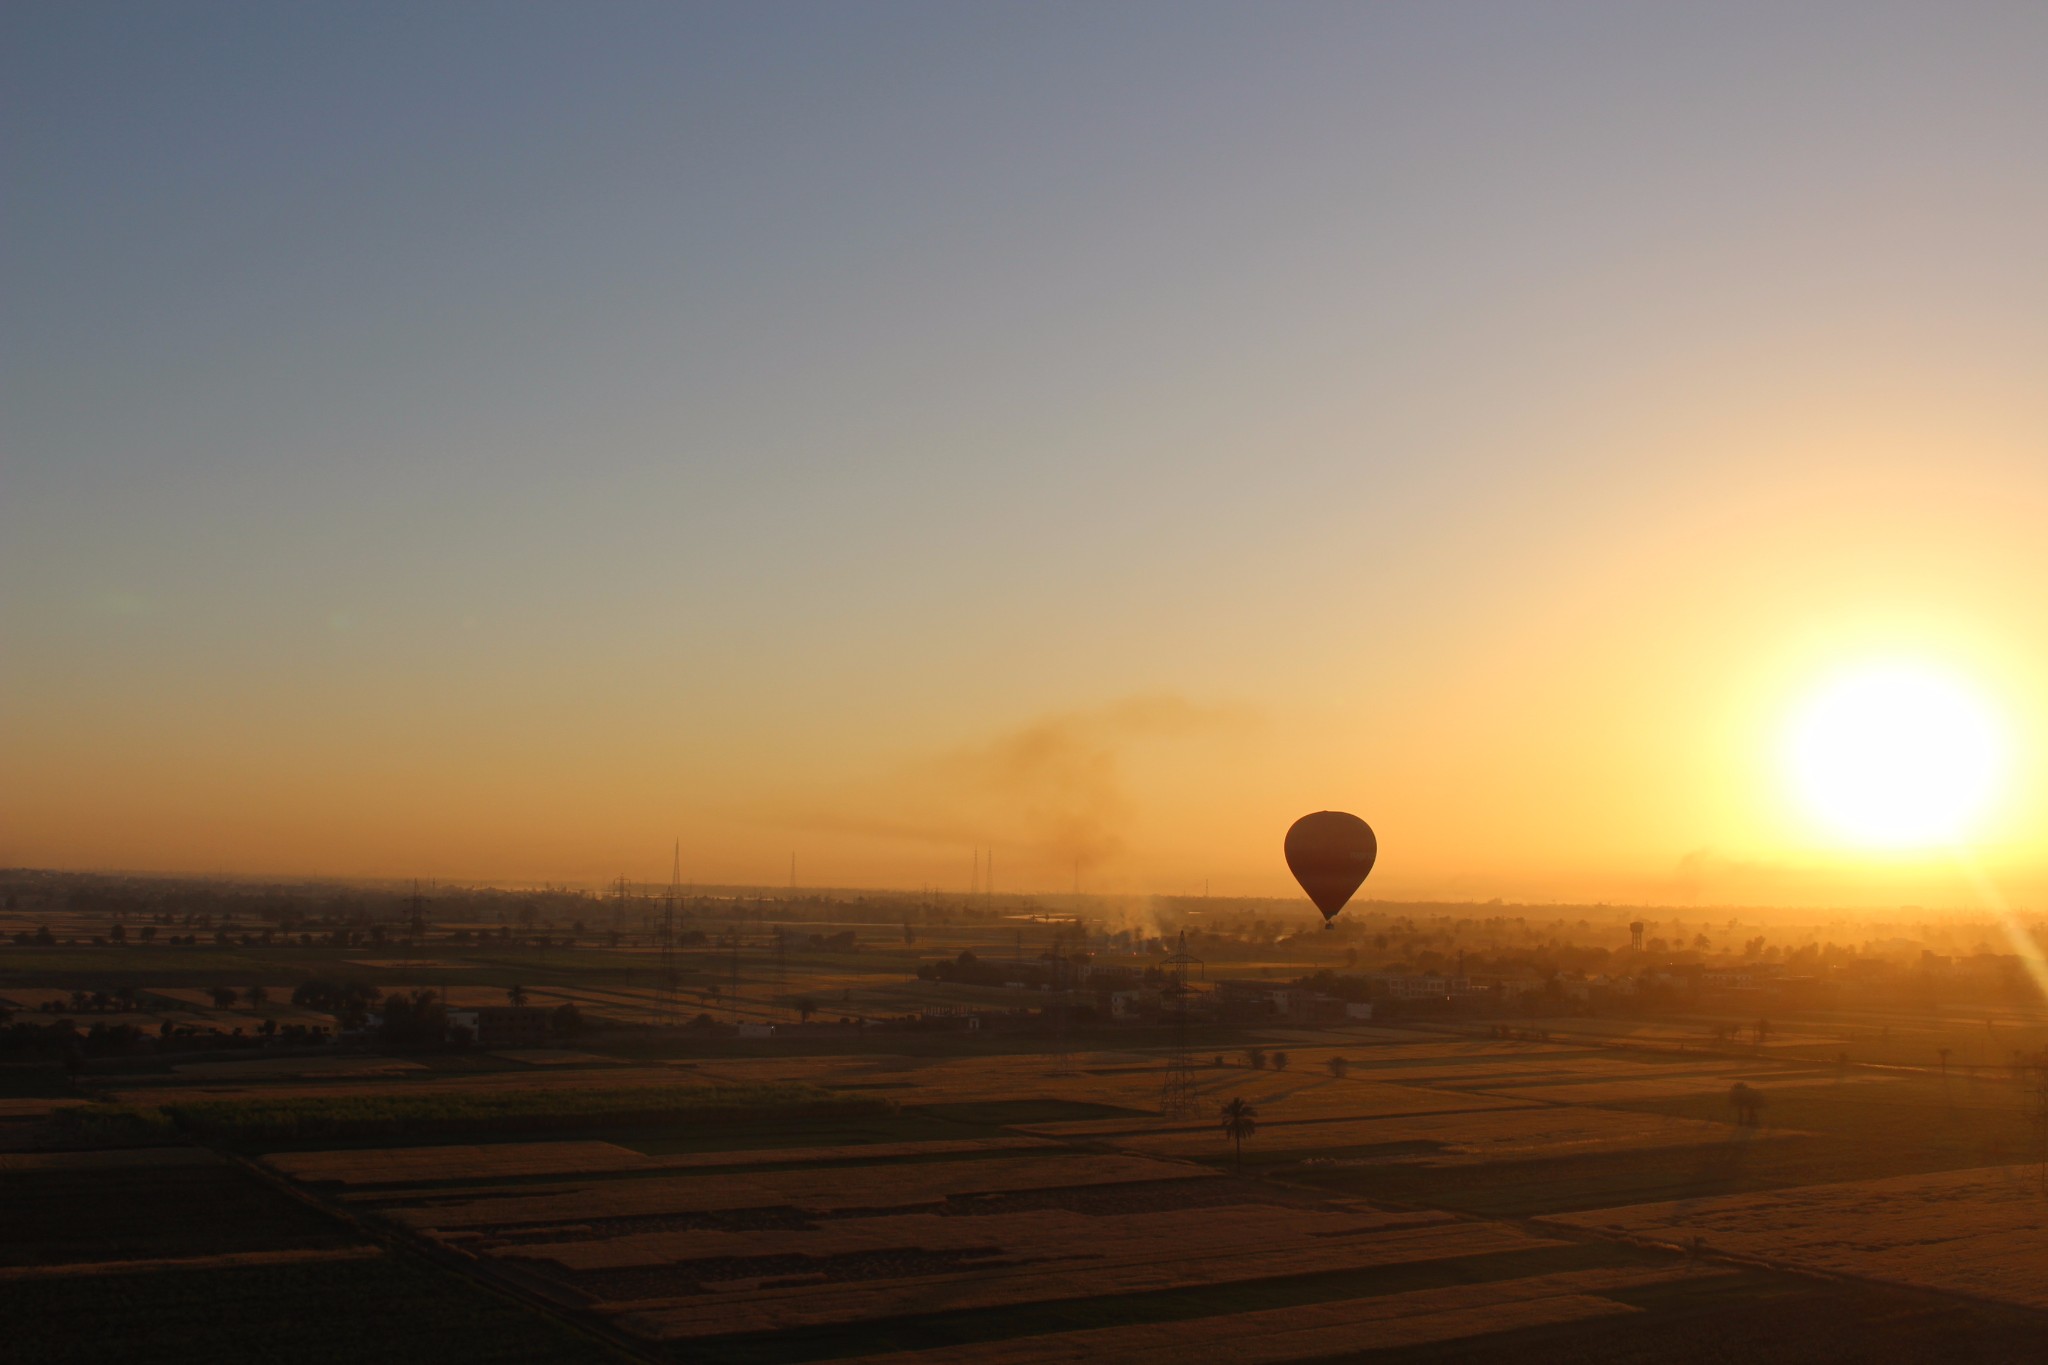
(1897, 756)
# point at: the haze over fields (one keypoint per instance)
(491, 443)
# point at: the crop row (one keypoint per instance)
(1316, 1330)
(1464, 1138)
(821, 1189)
(507, 1160)
(1036, 1234)
(1196, 1264)
(290, 1118)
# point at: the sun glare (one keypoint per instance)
(1896, 755)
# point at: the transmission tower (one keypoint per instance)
(619, 901)
(665, 988)
(1177, 1097)
(735, 974)
(1062, 1058)
(416, 925)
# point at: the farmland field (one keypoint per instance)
(663, 1184)
(1481, 1136)
(177, 1255)
(315, 1313)
(1980, 1232)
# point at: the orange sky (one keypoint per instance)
(1090, 439)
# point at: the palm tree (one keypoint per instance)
(1240, 1121)
(516, 994)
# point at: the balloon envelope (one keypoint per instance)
(1329, 853)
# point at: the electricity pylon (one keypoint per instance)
(1062, 1058)
(1177, 1097)
(665, 988)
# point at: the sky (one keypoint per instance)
(498, 442)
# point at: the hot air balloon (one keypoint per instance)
(1329, 853)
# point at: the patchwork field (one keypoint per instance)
(1978, 1232)
(925, 1194)
(178, 1256)
(1121, 1270)
(1323, 1330)
(840, 1236)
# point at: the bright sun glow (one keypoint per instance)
(1897, 756)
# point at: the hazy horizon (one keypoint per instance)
(1113, 904)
